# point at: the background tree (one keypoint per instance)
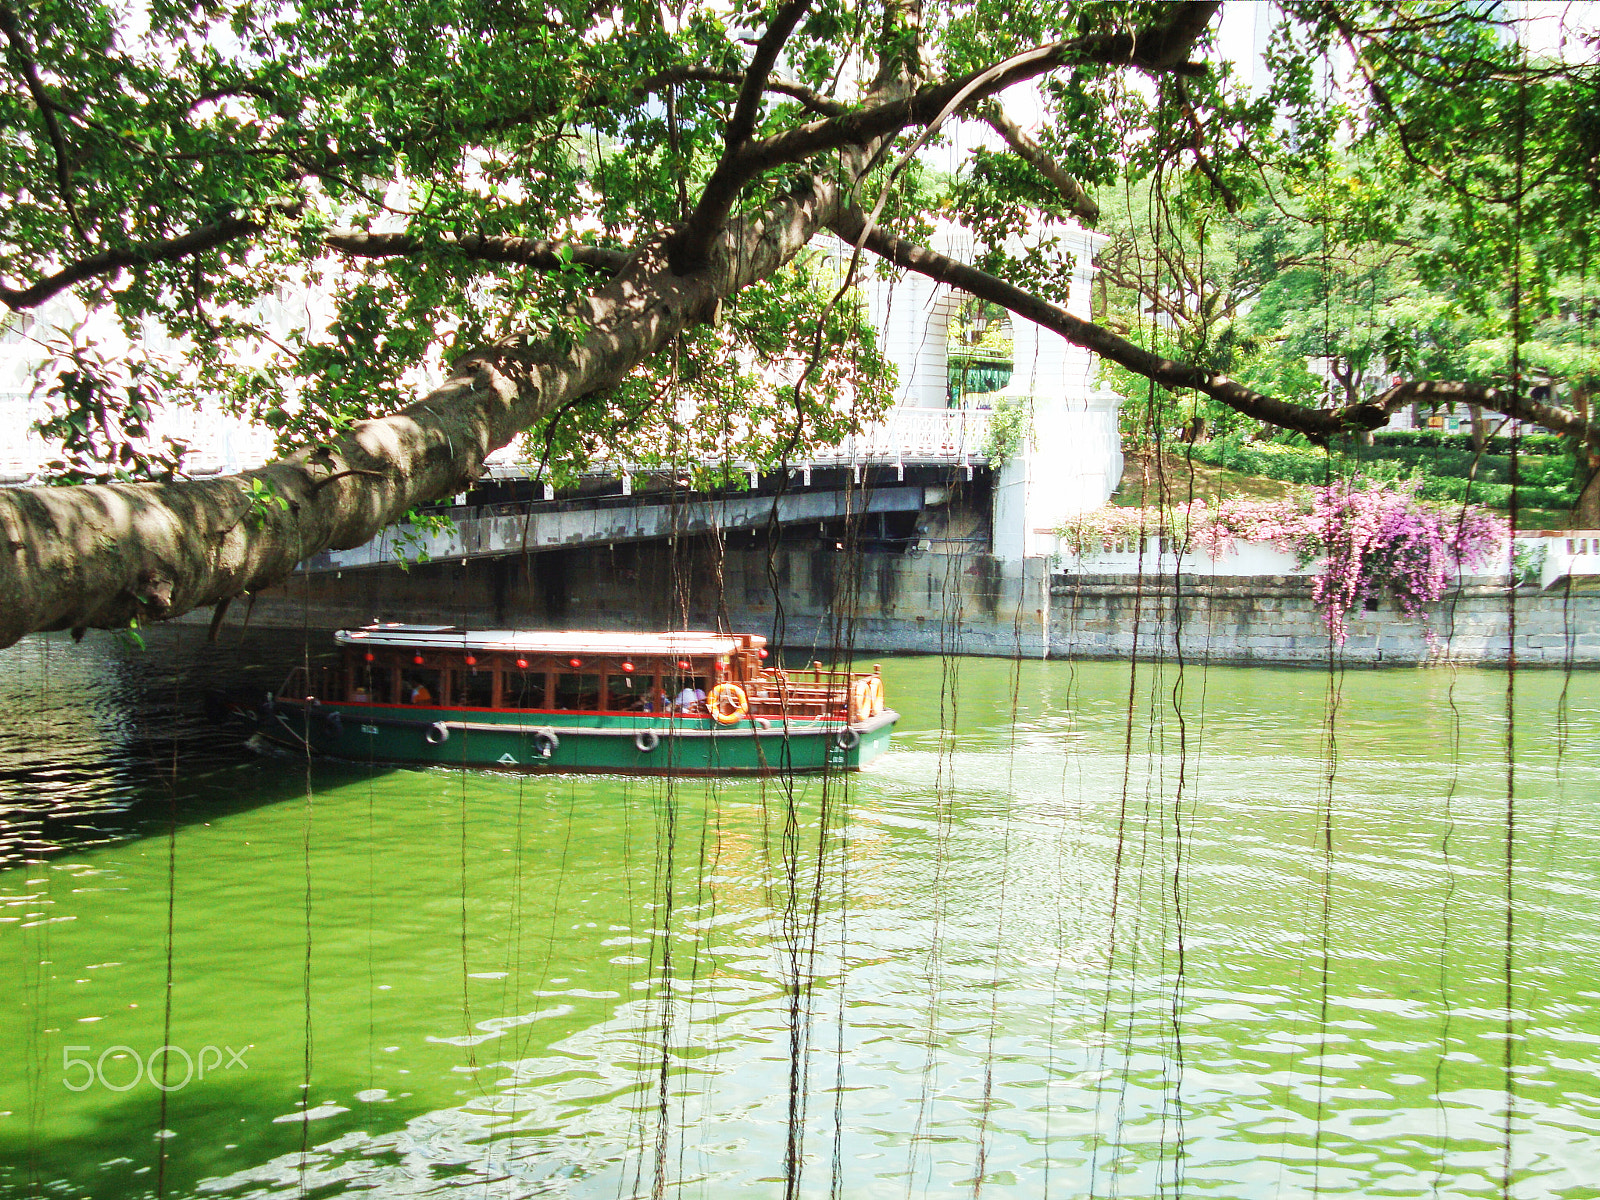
(1449, 239)
(558, 217)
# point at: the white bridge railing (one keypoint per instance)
(914, 436)
(919, 435)
(1572, 555)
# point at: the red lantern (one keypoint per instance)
(575, 663)
(763, 653)
(417, 658)
(627, 666)
(683, 664)
(472, 660)
(371, 656)
(522, 663)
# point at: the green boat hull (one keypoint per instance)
(603, 743)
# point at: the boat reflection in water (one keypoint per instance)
(620, 703)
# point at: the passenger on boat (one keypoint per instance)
(691, 700)
(420, 694)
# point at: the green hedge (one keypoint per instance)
(1440, 464)
(1539, 470)
(1533, 443)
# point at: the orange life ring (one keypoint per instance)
(861, 700)
(875, 689)
(728, 703)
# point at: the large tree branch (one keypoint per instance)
(545, 255)
(105, 555)
(1315, 422)
(748, 106)
(1512, 402)
(102, 556)
(1159, 51)
(1078, 202)
(1162, 49)
(109, 263)
(693, 243)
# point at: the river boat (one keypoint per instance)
(638, 704)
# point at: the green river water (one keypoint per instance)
(1250, 942)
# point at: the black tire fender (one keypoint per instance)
(646, 740)
(847, 738)
(545, 743)
(437, 734)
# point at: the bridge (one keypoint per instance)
(909, 438)
(487, 531)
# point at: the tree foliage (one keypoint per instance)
(1432, 233)
(598, 224)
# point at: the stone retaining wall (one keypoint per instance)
(1272, 619)
(815, 596)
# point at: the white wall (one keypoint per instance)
(1073, 461)
(912, 315)
(1123, 557)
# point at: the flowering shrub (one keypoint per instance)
(1363, 540)
(1370, 539)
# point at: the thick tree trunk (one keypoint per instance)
(107, 556)
(1586, 512)
(1479, 427)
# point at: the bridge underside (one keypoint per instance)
(489, 531)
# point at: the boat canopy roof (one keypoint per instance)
(547, 641)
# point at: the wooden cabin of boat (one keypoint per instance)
(578, 672)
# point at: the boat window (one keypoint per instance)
(421, 685)
(627, 693)
(473, 687)
(574, 691)
(371, 683)
(687, 693)
(523, 689)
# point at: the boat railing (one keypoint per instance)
(806, 692)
